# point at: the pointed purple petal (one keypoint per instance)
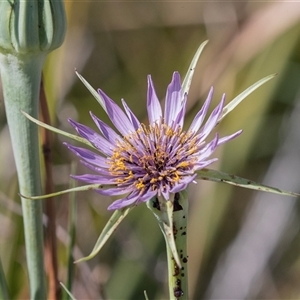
(179, 187)
(182, 185)
(133, 119)
(204, 164)
(133, 197)
(88, 155)
(198, 120)
(174, 98)
(165, 193)
(180, 117)
(117, 116)
(213, 119)
(98, 141)
(153, 105)
(102, 171)
(209, 148)
(115, 191)
(229, 137)
(106, 130)
(94, 179)
(147, 196)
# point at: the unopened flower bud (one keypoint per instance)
(31, 26)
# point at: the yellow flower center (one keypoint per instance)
(154, 156)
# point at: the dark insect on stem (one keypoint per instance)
(177, 206)
(156, 203)
(178, 292)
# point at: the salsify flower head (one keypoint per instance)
(143, 161)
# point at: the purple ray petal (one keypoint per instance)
(133, 119)
(115, 191)
(198, 120)
(147, 196)
(213, 119)
(117, 116)
(181, 114)
(174, 98)
(180, 186)
(106, 130)
(88, 155)
(209, 148)
(204, 164)
(133, 197)
(102, 171)
(97, 140)
(94, 179)
(165, 193)
(229, 137)
(153, 105)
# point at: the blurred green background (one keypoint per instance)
(242, 244)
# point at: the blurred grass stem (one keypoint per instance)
(3, 285)
(54, 289)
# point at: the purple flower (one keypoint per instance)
(142, 161)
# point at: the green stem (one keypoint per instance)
(21, 81)
(177, 276)
(174, 278)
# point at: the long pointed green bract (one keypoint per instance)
(217, 176)
(61, 132)
(114, 221)
(93, 91)
(190, 73)
(71, 190)
(238, 99)
(67, 291)
(146, 296)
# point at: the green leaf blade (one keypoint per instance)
(114, 221)
(217, 176)
(238, 99)
(190, 73)
(56, 130)
(67, 291)
(71, 190)
(92, 91)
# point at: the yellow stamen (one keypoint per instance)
(150, 149)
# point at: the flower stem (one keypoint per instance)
(21, 81)
(177, 275)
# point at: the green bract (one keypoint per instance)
(31, 26)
